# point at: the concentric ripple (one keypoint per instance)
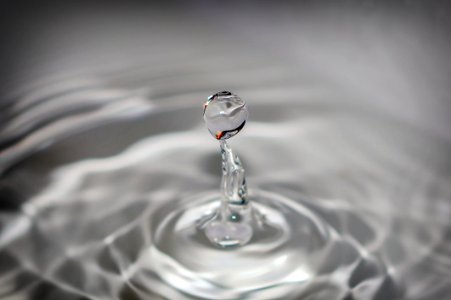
(102, 195)
(334, 197)
(288, 258)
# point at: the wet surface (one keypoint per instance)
(93, 162)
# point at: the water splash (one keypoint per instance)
(225, 115)
(348, 171)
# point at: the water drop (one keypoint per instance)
(225, 114)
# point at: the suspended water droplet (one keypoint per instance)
(225, 114)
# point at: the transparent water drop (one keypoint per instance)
(225, 114)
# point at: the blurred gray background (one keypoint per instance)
(394, 53)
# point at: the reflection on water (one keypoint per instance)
(92, 165)
(367, 177)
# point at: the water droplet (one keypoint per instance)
(225, 114)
